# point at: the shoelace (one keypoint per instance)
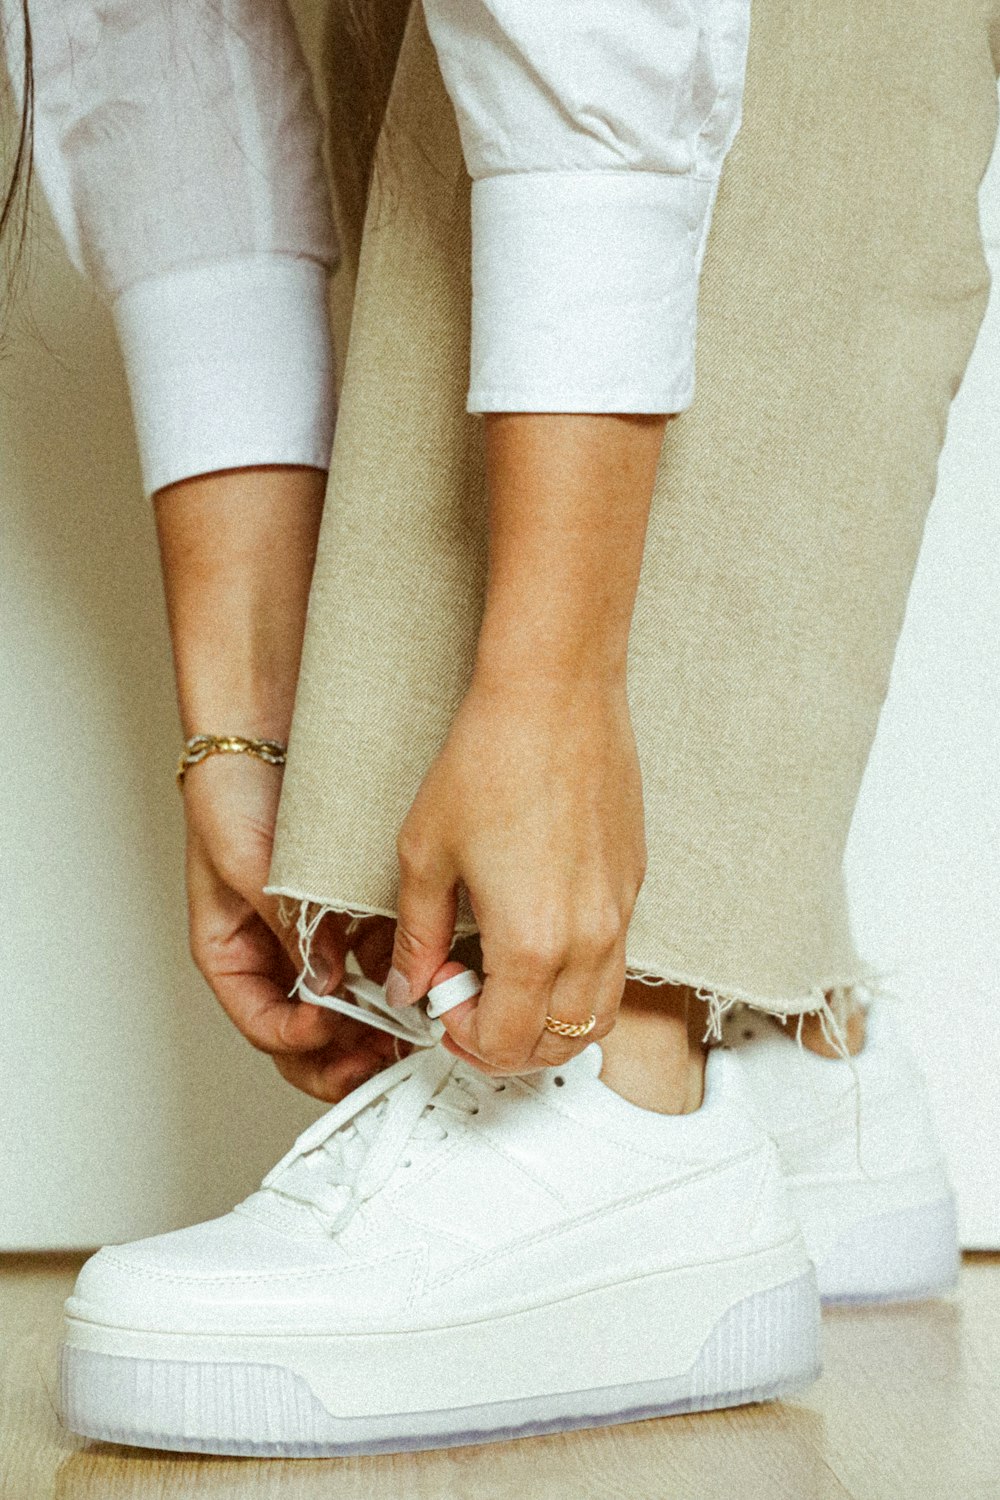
(348, 1154)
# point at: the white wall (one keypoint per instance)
(924, 857)
(127, 1102)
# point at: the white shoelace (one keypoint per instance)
(348, 1154)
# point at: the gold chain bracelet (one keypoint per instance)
(200, 746)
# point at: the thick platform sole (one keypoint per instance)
(901, 1256)
(764, 1345)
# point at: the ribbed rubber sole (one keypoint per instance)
(763, 1348)
(903, 1256)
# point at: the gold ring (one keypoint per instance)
(568, 1028)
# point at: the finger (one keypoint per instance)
(324, 968)
(501, 1026)
(450, 1045)
(272, 1023)
(576, 996)
(576, 993)
(372, 947)
(247, 968)
(232, 842)
(328, 1074)
(425, 927)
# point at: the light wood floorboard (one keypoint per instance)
(908, 1407)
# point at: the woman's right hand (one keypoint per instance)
(249, 957)
(534, 803)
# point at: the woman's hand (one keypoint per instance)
(246, 953)
(536, 805)
(535, 801)
(237, 549)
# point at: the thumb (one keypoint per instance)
(425, 928)
(326, 947)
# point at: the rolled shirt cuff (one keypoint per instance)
(230, 365)
(584, 290)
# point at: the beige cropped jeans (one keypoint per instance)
(843, 287)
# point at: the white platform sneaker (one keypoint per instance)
(449, 1258)
(864, 1169)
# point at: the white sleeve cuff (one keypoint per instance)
(229, 364)
(584, 290)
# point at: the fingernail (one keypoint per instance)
(397, 988)
(318, 979)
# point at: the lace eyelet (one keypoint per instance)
(475, 1110)
(498, 1088)
(558, 1080)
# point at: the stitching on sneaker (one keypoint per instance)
(554, 1231)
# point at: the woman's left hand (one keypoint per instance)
(248, 956)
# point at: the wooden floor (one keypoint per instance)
(908, 1407)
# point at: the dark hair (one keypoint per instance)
(362, 42)
(14, 207)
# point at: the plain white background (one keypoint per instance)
(128, 1104)
(923, 862)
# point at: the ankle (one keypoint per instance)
(654, 1057)
(852, 1023)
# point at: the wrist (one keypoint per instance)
(202, 747)
(240, 714)
(240, 678)
(550, 653)
(546, 690)
(237, 553)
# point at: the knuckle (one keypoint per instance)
(505, 1056)
(604, 945)
(534, 942)
(589, 953)
(413, 855)
(531, 955)
(201, 952)
(293, 1072)
(259, 1043)
(555, 1052)
(409, 945)
(501, 1050)
(234, 871)
(242, 860)
(287, 1069)
(603, 929)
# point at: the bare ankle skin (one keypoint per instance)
(854, 1031)
(655, 1057)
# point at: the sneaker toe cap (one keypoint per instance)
(232, 1275)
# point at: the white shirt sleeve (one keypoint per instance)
(595, 132)
(179, 146)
